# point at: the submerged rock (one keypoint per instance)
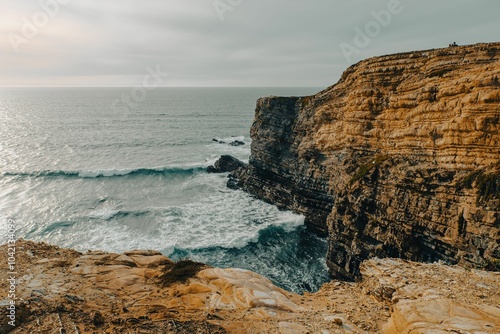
(237, 143)
(219, 141)
(226, 163)
(232, 143)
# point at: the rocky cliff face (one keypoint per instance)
(400, 158)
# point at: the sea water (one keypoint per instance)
(78, 171)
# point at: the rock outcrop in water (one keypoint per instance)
(224, 164)
(400, 158)
(64, 291)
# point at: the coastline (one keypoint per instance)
(385, 165)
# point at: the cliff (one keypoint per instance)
(64, 291)
(400, 158)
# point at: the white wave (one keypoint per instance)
(104, 213)
(207, 214)
(225, 218)
(289, 220)
(105, 173)
(229, 140)
(240, 152)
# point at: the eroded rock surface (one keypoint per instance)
(64, 291)
(400, 158)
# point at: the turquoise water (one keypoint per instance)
(77, 172)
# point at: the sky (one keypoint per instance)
(282, 43)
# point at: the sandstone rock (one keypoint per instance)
(398, 159)
(442, 315)
(291, 328)
(425, 302)
(91, 293)
(244, 289)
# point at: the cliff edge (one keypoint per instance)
(60, 290)
(400, 158)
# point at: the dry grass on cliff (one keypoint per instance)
(364, 169)
(488, 184)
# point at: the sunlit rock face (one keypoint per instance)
(400, 158)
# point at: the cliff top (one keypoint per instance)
(488, 52)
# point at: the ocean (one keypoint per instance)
(78, 171)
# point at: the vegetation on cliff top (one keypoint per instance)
(306, 100)
(364, 169)
(488, 184)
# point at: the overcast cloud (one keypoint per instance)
(258, 43)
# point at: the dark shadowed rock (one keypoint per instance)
(226, 163)
(98, 319)
(237, 143)
(232, 143)
(218, 141)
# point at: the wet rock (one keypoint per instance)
(237, 143)
(218, 141)
(226, 163)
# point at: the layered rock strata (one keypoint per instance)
(400, 158)
(63, 291)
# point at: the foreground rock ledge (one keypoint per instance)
(64, 291)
